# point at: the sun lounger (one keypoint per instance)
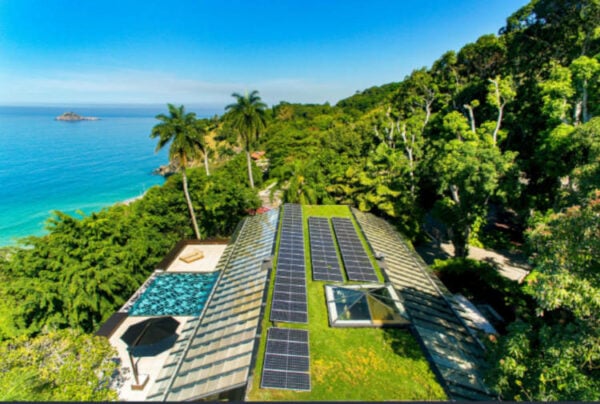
(192, 256)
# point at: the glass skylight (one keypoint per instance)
(364, 306)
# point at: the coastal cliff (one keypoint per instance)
(166, 170)
(173, 167)
(72, 116)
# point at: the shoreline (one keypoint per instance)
(129, 201)
(14, 243)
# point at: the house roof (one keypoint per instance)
(214, 352)
(454, 352)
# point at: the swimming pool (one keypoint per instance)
(175, 294)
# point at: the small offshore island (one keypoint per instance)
(72, 116)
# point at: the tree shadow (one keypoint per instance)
(431, 251)
(403, 343)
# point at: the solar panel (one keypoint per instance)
(357, 262)
(324, 259)
(287, 363)
(289, 293)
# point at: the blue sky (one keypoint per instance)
(199, 52)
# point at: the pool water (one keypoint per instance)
(175, 294)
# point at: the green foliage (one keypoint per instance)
(183, 131)
(567, 259)
(556, 92)
(366, 100)
(484, 58)
(305, 184)
(556, 355)
(233, 173)
(469, 173)
(476, 233)
(248, 117)
(59, 366)
(537, 361)
(585, 148)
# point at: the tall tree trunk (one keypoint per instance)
(577, 113)
(249, 161)
(390, 131)
(427, 111)
(471, 116)
(409, 154)
(500, 106)
(460, 241)
(498, 123)
(584, 101)
(206, 164)
(189, 203)
(454, 193)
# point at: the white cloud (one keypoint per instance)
(135, 86)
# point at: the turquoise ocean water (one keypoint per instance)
(48, 165)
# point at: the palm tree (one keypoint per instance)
(180, 129)
(248, 116)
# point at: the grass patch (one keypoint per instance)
(371, 364)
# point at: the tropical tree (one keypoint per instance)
(180, 128)
(470, 169)
(248, 117)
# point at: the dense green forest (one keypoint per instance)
(510, 123)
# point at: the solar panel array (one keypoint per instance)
(289, 294)
(357, 262)
(324, 259)
(286, 364)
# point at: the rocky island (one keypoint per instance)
(72, 116)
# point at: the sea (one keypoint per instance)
(73, 167)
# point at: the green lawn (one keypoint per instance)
(350, 363)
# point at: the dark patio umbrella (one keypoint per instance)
(149, 337)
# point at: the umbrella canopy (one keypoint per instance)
(150, 331)
(149, 338)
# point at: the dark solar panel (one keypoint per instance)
(298, 381)
(289, 306)
(298, 363)
(357, 263)
(324, 260)
(286, 364)
(289, 316)
(289, 293)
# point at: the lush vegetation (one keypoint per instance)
(552, 351)
(60, 366)
(510, 121)
(365, 364)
